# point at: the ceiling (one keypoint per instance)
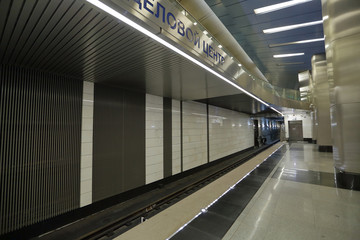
(239, 18)
(74, 38)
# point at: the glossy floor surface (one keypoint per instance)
(300, 201)
(291, 195)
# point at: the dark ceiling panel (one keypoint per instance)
(246, 27)
(74, 38)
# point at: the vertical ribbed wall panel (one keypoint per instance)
(40, 132)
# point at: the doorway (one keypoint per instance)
(295, 131)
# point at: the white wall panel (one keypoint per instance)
(194, 135)
(87, 144)
(229, 132)
(154, 139)
(176, 137)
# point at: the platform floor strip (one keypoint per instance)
(167, 222)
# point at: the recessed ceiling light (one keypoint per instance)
(161, 41)
(288, 55)
(291, 27)
(289, 63)
(297, 42)
(279, 6)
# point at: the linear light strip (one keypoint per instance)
(279, 6)
(288, 55)
(277, 111)
(163, 42)
(291, 27)
(289, 63)
(297, 42)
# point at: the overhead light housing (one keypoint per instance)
(297, 42)
(288, 55)
(161, 41)
(289, 63)
(220, 46)
(279, 6)
(291, 27)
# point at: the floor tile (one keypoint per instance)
(249, 232)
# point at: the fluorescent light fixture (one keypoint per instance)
(291, 27)
(279, 6)
(239, 65)
(195, 23)
(325, 17)
(205, 32)
(220, 46)
(289, 63)
(129, 22)
(297, 42)
(288, 55)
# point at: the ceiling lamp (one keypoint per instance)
(279, 6)
(155, 37)
(289, 63)
(297, 42)
(288, 55)
(291, 27)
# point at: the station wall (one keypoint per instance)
(66, 143)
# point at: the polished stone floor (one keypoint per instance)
(299, 200)
(291, 194)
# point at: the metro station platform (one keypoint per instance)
(286, 192)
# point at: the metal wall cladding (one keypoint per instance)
(342, 31)
(40, 126)
(322, 101)
(119, 141)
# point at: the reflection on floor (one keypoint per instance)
(221, 215)
(300, 202)
(291, 195)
